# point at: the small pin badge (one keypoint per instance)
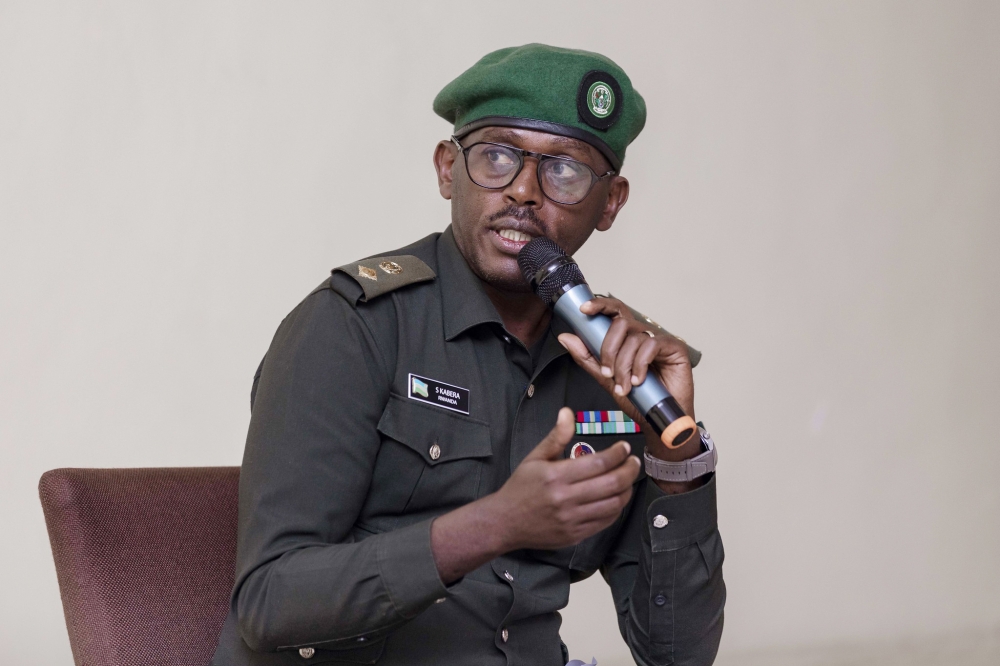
(368, 273)
(390, 267)
(581, 449)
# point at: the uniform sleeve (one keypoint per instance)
(302, 578)
(667, 581)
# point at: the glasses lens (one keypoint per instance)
(491, 165)
(565, 181)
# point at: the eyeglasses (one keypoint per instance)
(495, 166)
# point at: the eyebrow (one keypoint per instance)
(513, 137)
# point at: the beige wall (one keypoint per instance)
(817, 192)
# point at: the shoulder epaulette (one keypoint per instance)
(380, 275)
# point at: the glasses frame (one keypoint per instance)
(540, 157)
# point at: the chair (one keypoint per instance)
(145, 560)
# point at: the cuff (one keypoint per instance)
(407, 568)
(675, 521)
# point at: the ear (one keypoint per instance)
(445, 154)
(617, 196)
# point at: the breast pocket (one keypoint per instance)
(446, 450)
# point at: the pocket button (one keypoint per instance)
(435, 452)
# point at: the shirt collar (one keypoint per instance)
(465, 303)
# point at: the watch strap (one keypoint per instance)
(685, 470)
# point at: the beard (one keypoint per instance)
(470, 242)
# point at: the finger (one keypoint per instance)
(553, 444)
(607, 306)
(593, 527)
(606, 485)
(581, 355)
(612, 342)
(643, 357)
(586, 467)
(623, 363)
(604, 510)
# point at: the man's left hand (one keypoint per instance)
(631, 349)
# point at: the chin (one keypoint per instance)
(502, 280)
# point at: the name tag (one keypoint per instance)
(439, 394)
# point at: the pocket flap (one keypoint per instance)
(421, 427)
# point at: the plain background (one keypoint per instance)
(815, 205)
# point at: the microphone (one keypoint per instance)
(556, 279)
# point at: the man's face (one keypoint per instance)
(491, 226)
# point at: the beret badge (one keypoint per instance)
(598, 99)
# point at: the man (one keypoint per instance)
(414, 489)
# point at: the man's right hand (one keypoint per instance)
(547, 503)
(550, 502)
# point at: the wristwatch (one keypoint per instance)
(686, 470)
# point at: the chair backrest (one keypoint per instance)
(145, 560)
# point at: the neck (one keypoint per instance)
(522, 313)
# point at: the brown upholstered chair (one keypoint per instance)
(145, 560)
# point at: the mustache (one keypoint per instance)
(518, 213)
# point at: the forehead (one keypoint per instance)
(540, 142)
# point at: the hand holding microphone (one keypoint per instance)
(614, 347)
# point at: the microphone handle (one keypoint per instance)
(651, 397)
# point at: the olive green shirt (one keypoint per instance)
(345, 469)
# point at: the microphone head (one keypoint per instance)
(547, 268)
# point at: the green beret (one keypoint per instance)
(572, 93)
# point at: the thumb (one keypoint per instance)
(552, 446)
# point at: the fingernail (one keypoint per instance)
(618, 390)
(606, 371)
(635, 380)
(628, 448)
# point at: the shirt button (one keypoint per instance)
(660, 600)
(306, 653)
(361, 639)
(506, 574)
(506, 339)
(439, 601)
(660, 521)
(531, 390)
(504, 635)
(435, 451)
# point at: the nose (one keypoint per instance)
(525, 190)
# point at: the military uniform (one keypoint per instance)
(346, 467)
(393, 394)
